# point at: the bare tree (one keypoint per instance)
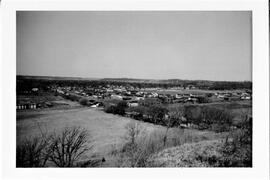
(64, 149)
(31, 153)
(175, 116)
(133, 131)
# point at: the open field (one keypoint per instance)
(107, 130)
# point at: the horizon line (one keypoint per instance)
(100, 78)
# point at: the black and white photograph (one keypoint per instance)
(134, 89)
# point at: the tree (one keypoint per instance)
(157, 113)
(203, 99)
(83, 101)
(32, 153)
(67, 147)
(121, 107)
(238, 151)
(175, 117)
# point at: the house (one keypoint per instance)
(118, 97)
(34, 89)
(139, 98)
(26, 106)
(245, 97)
(94, 105)
(133, 103)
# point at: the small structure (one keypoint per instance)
(26, 106)
(133, 103)
(118, 97)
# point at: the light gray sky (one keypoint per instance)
(150, 44)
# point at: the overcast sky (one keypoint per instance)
(152, 45)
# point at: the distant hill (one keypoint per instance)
(59, 78)
(134, 80)
(142, 83)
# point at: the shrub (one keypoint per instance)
(206, 117)
(157, 113)
(203, 99)
(220, 127)
(62, 149)
(120, 108)
(193, 113)
(138, 147)
(73, 97)
(238, 151)
(83, 101)
(110, 109)
(32, 153)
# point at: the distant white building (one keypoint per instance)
(118, 97)
(139, 98)
(34, 89)
(133, 104)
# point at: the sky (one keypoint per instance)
(194, 45)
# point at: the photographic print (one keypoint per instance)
(134, 89)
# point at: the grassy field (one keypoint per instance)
(107, 130)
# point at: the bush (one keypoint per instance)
(157, 113)
(203, 99)
(120, 108)
(238, 151)
(206, 117)
(83, 101)
(138, 148)
(110, 109)
(62, 149)
(220, 127)
(73, 97)
(32, 153)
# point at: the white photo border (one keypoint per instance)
(260, 79)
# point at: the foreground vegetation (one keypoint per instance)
(152, 133)
(182, 151)
(63, 149)
(173, 148)
(216, 117)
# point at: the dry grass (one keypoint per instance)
(138, 153)
(106, 129)
(187, 155)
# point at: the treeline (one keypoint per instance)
(26, 84)
(231, 85)
(199, 117)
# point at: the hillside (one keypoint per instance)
(201, 154)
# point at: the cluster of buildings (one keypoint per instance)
(234, 96)
(134, 95)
